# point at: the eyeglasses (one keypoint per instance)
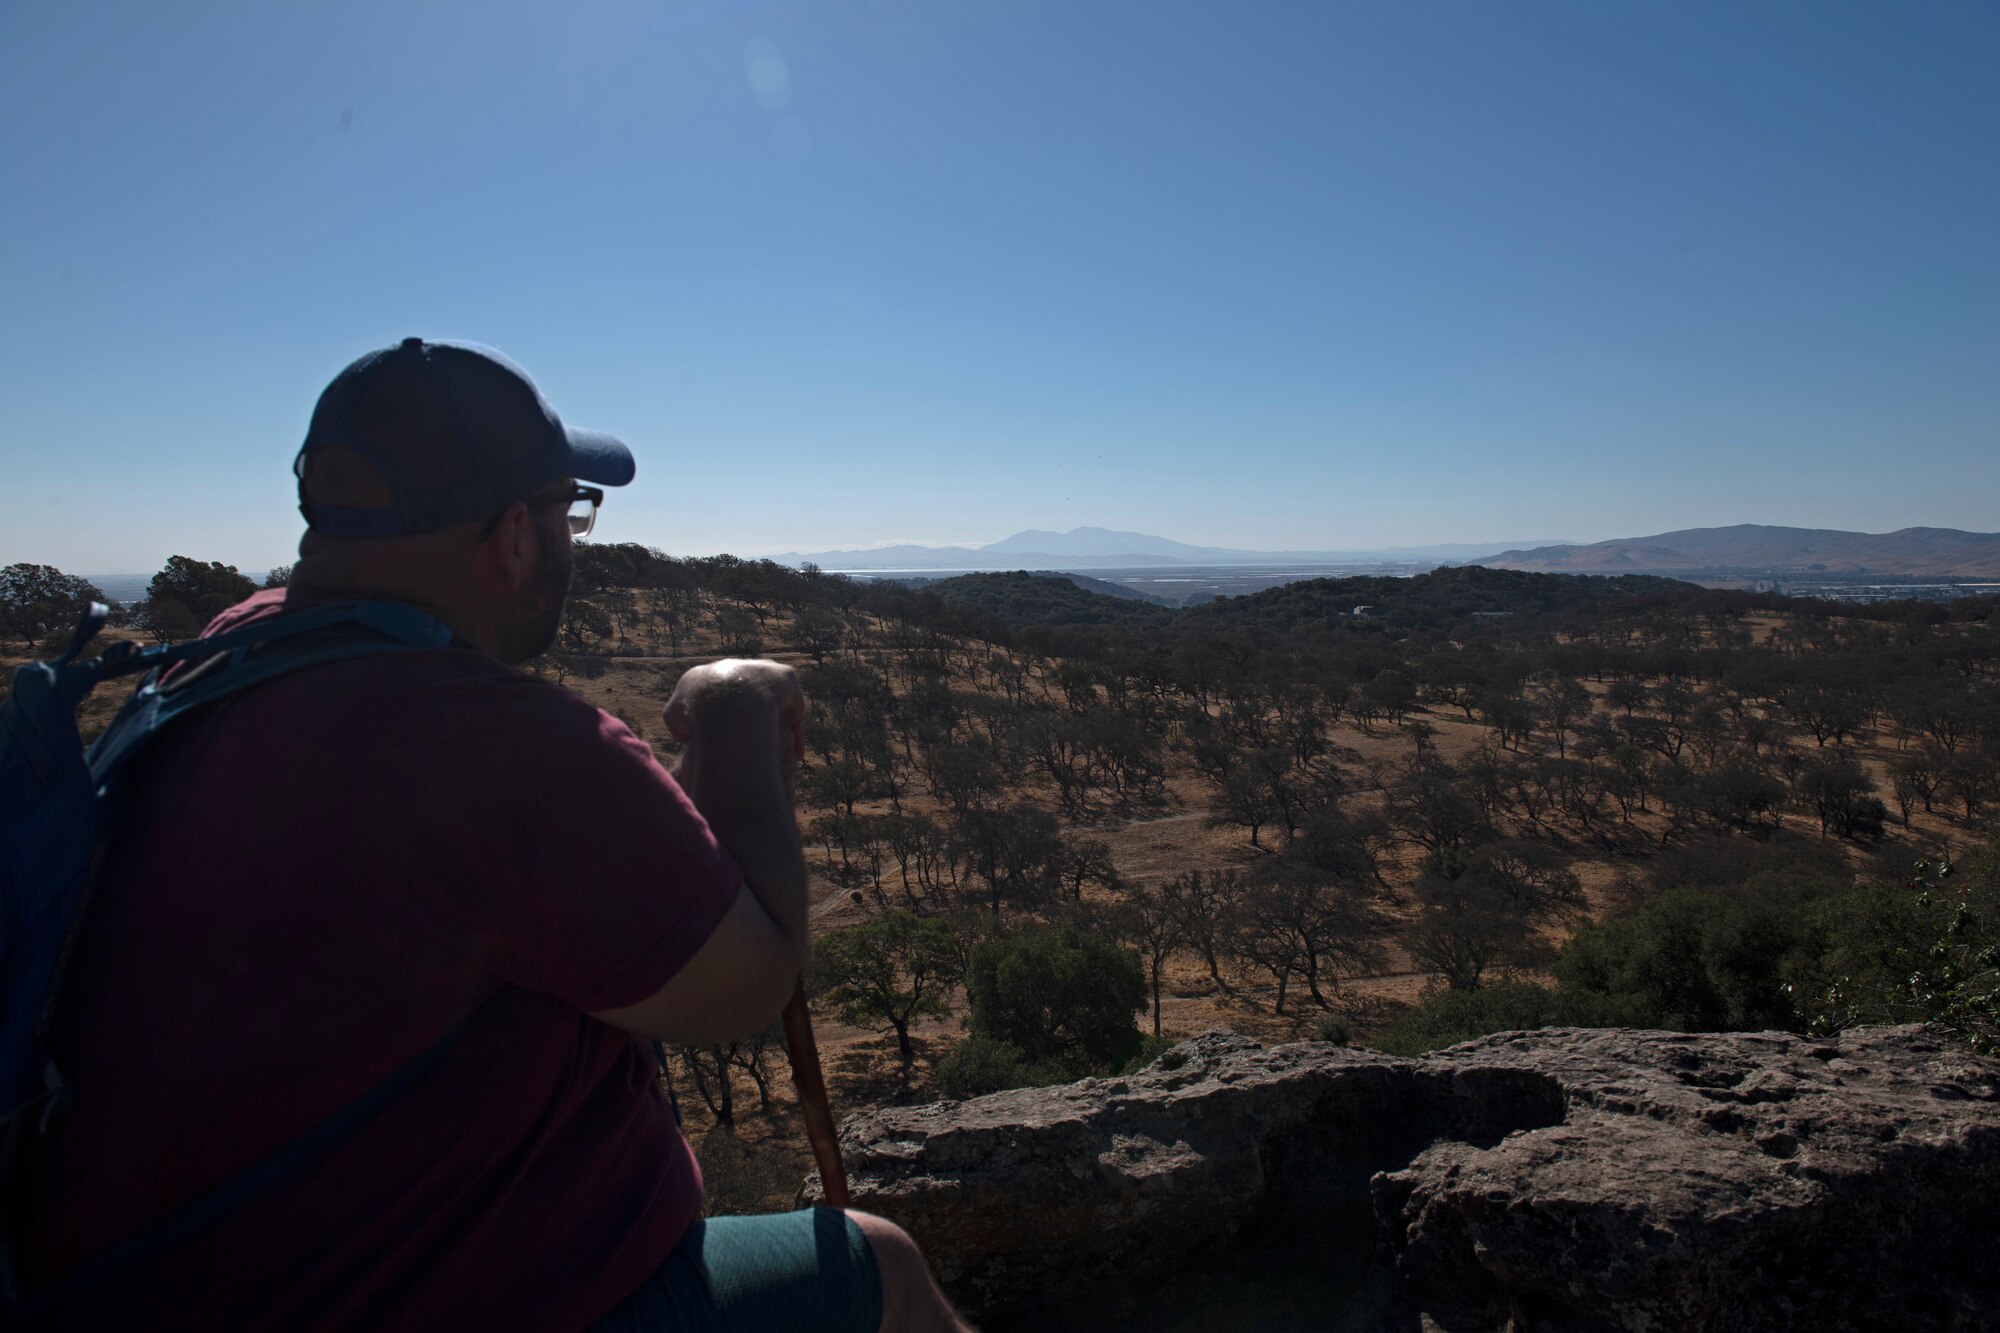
(582, 501)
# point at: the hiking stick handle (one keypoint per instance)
(806, 1077)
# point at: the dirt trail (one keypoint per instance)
(1180, 818)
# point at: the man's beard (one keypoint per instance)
(531, 630)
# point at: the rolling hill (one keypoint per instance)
(1756, 547)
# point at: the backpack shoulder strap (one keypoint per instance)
(231, 663)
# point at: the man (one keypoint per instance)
(315, 880)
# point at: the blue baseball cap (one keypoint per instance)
(454, 431)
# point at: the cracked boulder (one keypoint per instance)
(1715, 1181)
(1563, 1179)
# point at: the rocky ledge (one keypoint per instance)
(1563, 1179)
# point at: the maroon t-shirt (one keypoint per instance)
(310, 883)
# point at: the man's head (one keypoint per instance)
(438, 473)
(528, 624)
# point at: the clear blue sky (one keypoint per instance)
(1307, 274)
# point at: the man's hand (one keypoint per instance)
(735, 708)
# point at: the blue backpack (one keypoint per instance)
(55, 824)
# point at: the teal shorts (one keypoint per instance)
(811, 1269)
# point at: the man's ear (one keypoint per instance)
(509, 554)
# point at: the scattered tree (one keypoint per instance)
(1151, 922)
(890, 970)
(38, 600)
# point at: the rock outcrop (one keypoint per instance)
(1563, 1179)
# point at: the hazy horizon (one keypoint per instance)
(1400, 554)
(1277, 277)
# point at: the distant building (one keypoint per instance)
(1367, 613)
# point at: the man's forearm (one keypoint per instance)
(739, 790)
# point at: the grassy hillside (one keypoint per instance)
(1623, 799)
(1022, 599)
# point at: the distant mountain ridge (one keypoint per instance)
(1106, 548)
(1745, 547)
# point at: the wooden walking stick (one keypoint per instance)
(804, 1054)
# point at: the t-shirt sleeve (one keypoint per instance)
(597, 878)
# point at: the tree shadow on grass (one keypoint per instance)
(747, 1172)
(871, 1073)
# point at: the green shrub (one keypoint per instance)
(1692, 959)
(1062, 996)
(1333, 1028)
(1748, 939)
(1447, 1017)
(1144, 1052)
(981, 1064)
(1731, 931)
(1789, 868)
(1927, 952)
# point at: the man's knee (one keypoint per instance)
(894, 1250)
(910, 1297)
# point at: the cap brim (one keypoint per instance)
(598, 457)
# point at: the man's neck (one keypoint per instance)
(327, 580)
